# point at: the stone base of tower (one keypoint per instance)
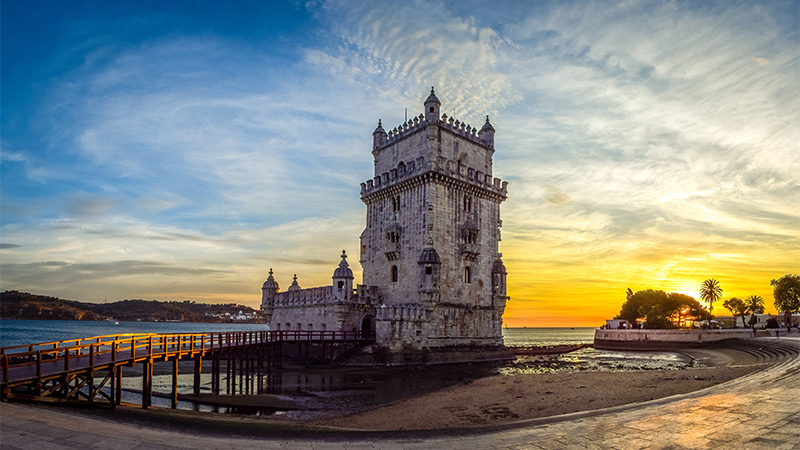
(376, 355)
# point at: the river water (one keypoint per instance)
(331, 387)
(22, 332)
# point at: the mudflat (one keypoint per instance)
(504, 398)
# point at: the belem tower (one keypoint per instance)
(433, 278)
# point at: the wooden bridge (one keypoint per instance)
(89, 369)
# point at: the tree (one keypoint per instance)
(710, 292)
(659, 309)
(786, 291)
(755, 305)
(737, 307)
(685, 307)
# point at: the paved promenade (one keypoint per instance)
(761, 410)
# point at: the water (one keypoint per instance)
(23, 332)
(543, 337)
(326, 388)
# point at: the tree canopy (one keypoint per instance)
(737, 307)
(659, 309)
(786, 291)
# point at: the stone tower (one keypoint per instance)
(429, 251)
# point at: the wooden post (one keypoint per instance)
(198, 363)
(214, 371)
(6, 388)
(233, 372)
(115, 380)
(228, 372)
(147, 383)
(174, 383)
(91, 373)
(38, 372)
(118, 394)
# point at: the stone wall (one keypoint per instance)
(664, 339)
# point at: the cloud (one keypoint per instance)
(555, 196)
(9, 246)
(641, 140)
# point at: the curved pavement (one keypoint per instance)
(760, 410)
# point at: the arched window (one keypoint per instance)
(467, 203)
(395, 274)
(467, 275)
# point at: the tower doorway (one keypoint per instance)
(368, 327)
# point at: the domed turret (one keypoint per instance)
(499, 274)
(432, 105)
(294, 286)
(268, 292)
(343, 279)
(270, 284)
(429, 255)
(429, 265)
(487, 133)
(379, 136)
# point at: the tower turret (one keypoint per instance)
(294, 286)
(432, 105)
(499, 274)
(343, 279)
(268, 291)
(429, 267)
(487, 133)
(379, 136)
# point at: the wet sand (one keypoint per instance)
(477, 397)
(505, 398)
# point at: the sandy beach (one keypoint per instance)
(474, 402)
(532, 387)
(504, 398)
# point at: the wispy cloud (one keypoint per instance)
(647, 144)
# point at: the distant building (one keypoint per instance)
(432, 273)
(761, 320)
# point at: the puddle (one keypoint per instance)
(591, 359)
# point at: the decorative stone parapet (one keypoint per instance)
(309, 296)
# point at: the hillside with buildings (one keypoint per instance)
(23, 305)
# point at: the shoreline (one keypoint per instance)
(494, 400)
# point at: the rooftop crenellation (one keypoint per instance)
(419, 123)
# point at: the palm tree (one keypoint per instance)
(755, 305)
(710, 292)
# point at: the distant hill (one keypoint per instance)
(22, 305)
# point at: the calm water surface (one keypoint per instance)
(22, 332)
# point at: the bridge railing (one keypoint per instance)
(133, 346)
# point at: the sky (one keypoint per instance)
(178, 150)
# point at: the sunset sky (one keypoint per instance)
(178, 150)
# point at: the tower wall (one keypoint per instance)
(433, 188)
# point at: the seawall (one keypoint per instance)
(664, 339)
